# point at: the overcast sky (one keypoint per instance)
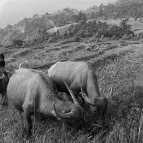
(12, 11)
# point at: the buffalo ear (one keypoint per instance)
(3, 75)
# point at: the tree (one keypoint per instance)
(101, 10)
(123, 23)
(81, 16)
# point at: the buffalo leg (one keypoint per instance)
(4, 99)
(28, 121)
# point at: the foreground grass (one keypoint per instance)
(125, 117)
(125, 110)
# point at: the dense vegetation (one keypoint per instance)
(34, 30)
(100, 30)
(121, 9)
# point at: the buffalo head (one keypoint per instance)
(97, 107)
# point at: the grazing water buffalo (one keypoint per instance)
(32, 92)
(82, 80)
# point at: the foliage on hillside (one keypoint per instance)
(27, 30)
(121, 9)
(99, 29)
(34, 30)
(63, 17)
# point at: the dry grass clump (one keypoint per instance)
(109, 57)
(86, 58)
(38, 47)
(52, 49)
(22, 52)
(77, 48)
(66, 54)
(63, 56)
(93, 47)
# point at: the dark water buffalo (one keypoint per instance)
(4, 79)
(2, 61)
(32, 92)
(82, 80)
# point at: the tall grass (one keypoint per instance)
(124, 119)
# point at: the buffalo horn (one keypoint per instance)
(2, 76)
(72, 95)
(69, 115)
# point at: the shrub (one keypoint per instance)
(52, 39)
(93, 28)
(18, 42)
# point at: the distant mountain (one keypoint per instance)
(27, 30)
(34, 29)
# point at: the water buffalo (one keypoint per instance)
(32, 92)
(2, 61)
(4, 79)
(82, 80)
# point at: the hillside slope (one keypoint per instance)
(117, 63)
(34, 29)
(27, 30)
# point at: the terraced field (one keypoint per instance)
(118, 63)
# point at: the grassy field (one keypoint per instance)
(118, 63)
